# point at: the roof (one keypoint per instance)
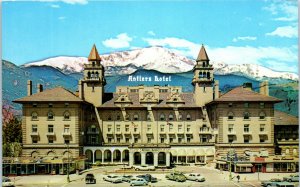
(94, 55)
(188, 98)
(282, 118)
(202, 56)
(55, 94)
(244, 95)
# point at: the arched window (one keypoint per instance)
(34, 116)
(66, 115)
(204, 74)
(92, 74)
(208, 75)
(50, 115)
(162, 117)
(135, 117)
(200, 74)
(262, 115)
(97, 74)
(246, 115)
(89, 74)
(175, 99)
(122, 99)
(203, 64)
(188, 117)
(171, 117)
(230, 115)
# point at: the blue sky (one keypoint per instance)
(233, 31)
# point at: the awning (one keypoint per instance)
(244, 165)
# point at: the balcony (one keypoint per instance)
(247, 133)
(92, 79)
(66, 134)
(50, 134)
(92, 132)
(34, 134)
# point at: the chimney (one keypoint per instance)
(264, 88)
(248, 86)
(39, 88)
(29, 88)
(217, 91)
(80, 89)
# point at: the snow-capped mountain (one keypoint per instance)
(159, 59)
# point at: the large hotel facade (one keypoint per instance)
(157, 125)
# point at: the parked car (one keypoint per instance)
(285, 184)
(176, 176)
(270, 183)
(148, 178)
(144, 168)
(292, 178)
(7, 182)
(127, 178)
(195, 177)
(138, 182)
(90, 179)
(113, 178)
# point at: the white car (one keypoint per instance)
(7, 182)
(144, 168)
(113, 178)
(138, 182)
(195, 177)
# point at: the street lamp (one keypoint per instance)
(231, 156)
(68, 164)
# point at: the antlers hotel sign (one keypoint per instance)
(155, 78)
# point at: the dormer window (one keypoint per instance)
(162, 117)
(175, 99)
(109, 118)
(230, 115)
(171, 117)
(93, 63)
(122, 99)
(261, 105)
(50, 105)
(118, 117)
(135, 117)
(50, 115)
(66, 116)
(246, 115)
(34, 105)
(262, 115)
(34, 116)
(229, 104)
(188, 117)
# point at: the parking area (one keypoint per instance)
(213, 178)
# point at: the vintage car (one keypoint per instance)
(127, 178)
(144, 168)
(292, 178)
(7, 182)
(270, 183)
(113, 178)
(148, 178)
(176, 176)
(90, 179)
(195, 177)
(138, 182)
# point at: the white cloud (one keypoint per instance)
(121, 41)
(151, 33)
(61, 17)
(232, 54)
(286, 10)
(82, 2)
(278, 66)
(286, 31)
(244, 38)
(55, 6)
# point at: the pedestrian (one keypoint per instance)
(238, 178)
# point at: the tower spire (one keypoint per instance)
(202, 56)
(94, 55)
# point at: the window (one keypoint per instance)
(135, 129)
(93, 128)
(262, 115)
(230, 115)
(203, 139)
(67, 128)
(180, 117)
(118, 139)
(127, 140)
(162, 140)
(135, 117)
(170, 127)
(136, 140)
(162, 117)
(230, 128)
(229, 104)
(246, 128)
(262, 128)
(66, 116)
(188, 139)
(171, 117)
(127, 128)
(66, 104)
(188, 117)
(179, 128)
(34, 139)
(188, 128)
(162, 128)
(179, 139)
(50, 105)
(109, 128)
(230, 139)
(34, 116)
(149, 139)
(67, 141)
(118, 128)
(93, 140)
(109, 118)
(262, 139)
(149, 128)
(50, 128)
(34, 128)
(261, 105)
(50, 115)
(50, 139)
(109, 140)
(246, 139)
(118, 117)
(246, 105)
(34, 105)
(171, 140)
(246, 115)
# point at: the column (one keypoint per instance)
(131, 159)
(92, 156)
(177, 159)
(143, 157)
(155, 159)
(121, 156)
(168, 159)
(186, 159)
(102, 157)
(112, 156)
(204, 159)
